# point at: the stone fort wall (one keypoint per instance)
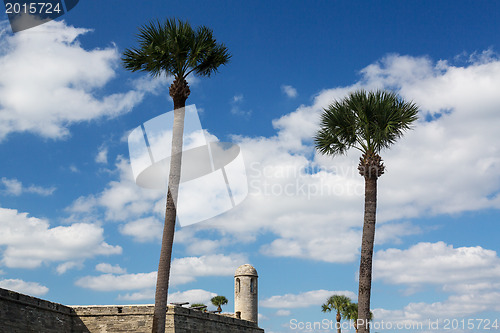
(21, 314)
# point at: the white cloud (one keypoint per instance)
(20, 286)
(303, 300)
(30, 241)
(40, 190)
(200, 245)
(183, 270)
(436, 263)
(188, 268)
(153, 85)
(108, 268)
(454, 307)
(49, 81)
(290, 91)
(16, 188)
(122, 200)
(393, 232)
(236, 109)
(12, 186)
(111, 282)
(146, 294)
(143, 230)
(470, 274)
(192, 296)
(102, 155)
(64, 267)
(283, 313)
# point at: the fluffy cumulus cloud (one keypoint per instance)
(50, 81)
(183, 270)
(28, 242)
(436, 263)
(469, 275)
(23, 287)
(143, 230)
(303, 300)
(187, 269)
(123, 200)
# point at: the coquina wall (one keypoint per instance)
(21, 314)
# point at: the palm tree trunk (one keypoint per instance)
(179, 92)
(367, 242)
(338, 322)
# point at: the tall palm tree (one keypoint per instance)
(339, 303)
(369, 122)
(352, 314)
(218, 301)
(173, 48)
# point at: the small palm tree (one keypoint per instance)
(352, 314)
(218, 301)
(173, 48)
(339, 303)
(369, 122)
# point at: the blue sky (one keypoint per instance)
(75, 229)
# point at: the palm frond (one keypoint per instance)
(339, 303)
(175, 48)
(368, 121)
(337, 130)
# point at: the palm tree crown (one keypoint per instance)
(177, 49)
(340, 304)
(367, 121)
(218, 301)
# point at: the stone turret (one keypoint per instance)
(246, 293)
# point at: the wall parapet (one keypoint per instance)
(12, 296)
(21, 314)
(189, 320)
